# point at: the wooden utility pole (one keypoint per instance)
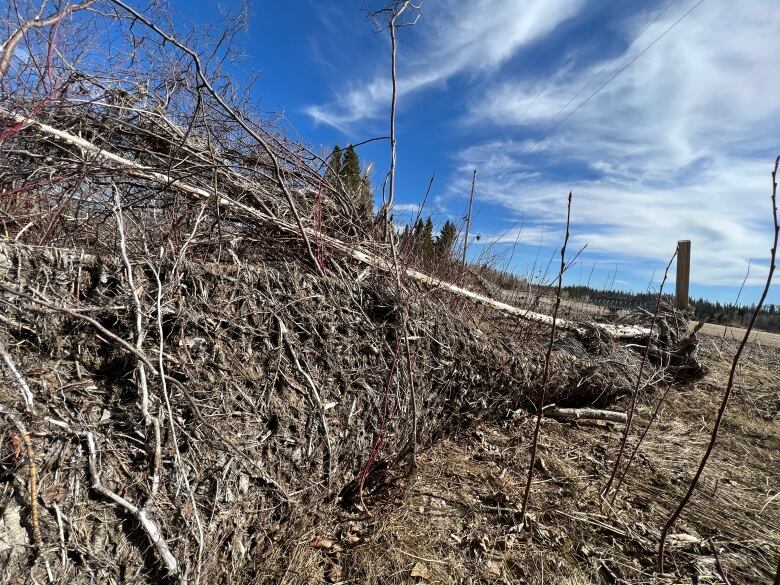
(468, 217)
(683, 273)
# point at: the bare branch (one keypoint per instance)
(732, 373)
(546, 374)
(9, 47)
(635, 392)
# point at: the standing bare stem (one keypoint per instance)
(736, 303)
(730, 383)
(468, 217)
(632, 406)
(396, 11)
(546, 375)
(393, 101)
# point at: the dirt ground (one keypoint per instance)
(454, 519)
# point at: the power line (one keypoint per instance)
(549, 79)
(610, 63)
(611, 79)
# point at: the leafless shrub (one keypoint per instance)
(220, 336)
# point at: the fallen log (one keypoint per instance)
(135, 169)
(585, 414)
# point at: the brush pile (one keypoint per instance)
(204, 348)
(283, 392)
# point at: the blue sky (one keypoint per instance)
(677, 145)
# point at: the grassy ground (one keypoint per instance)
(454, 519)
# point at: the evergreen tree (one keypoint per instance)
(422, 238)
(405, 235)
(445, 241)
(418, 229)
(336, 162)
(356, 183)
(426, 239)
(365, 199)
(351, 169)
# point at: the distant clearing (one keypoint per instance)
(736, 333)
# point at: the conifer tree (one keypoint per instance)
(417, 229)
(426, 239)
(365, 199)
(417, 236)
(350, 170)
(445, 241)
(357, 183)
(336, 162)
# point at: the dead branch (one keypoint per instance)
(635, 392)
(32, 469)
(586, 414)
(9, 46)
(151, 529)
(24, 389)
(358, 254)
(171, 424)
(239, 119)
(396, 13)
(316, 400)
(143, 358)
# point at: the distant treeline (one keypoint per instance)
(436, 252)
(731, 314)
(419, 240)
(703, 310)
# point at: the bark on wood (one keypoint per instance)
(586, 414)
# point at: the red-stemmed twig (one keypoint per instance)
(546, 374)
(718, 564)
(730, 383)
(635, 393)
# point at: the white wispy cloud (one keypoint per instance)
(680, 143)
(460, 37)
